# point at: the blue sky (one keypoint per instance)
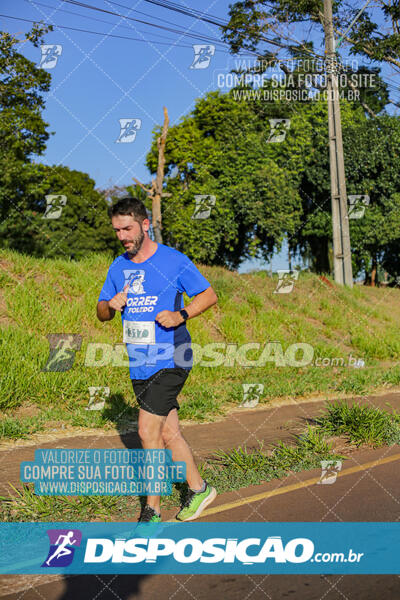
(99, 80)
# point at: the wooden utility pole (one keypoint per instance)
(342, 267)
(156, 190)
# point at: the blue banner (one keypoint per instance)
(208, 548)
(102, 472)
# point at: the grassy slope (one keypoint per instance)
(39, 297)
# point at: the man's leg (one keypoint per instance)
(150, 432)
(173, 439)
(200, 493)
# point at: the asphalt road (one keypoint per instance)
(367, 489)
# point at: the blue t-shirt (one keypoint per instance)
(156, 284)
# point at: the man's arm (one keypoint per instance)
(106, 308)
(198, 305)
(104, 311)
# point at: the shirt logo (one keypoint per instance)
(135, 279)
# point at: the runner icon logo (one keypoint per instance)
(357, 205)
(202, 56)
(128, 130)
(54, 206)
(286, 281)
(251, 394)
(204, 204)
(330, 470)
(62, 542)
(63, 347)
(98, 397)
(279, 129)
(50, 55)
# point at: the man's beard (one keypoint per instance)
(136, 243)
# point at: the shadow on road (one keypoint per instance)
(103, 587)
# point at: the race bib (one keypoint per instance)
(139, 332)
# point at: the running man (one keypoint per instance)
(146, 285)
(65, 351)
(62, 550)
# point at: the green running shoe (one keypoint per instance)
(195, 503)
(148, 525)
(149, 515)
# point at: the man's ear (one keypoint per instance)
(146, 224)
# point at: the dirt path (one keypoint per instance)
(309, 503)
(367, 489)
(242, 427)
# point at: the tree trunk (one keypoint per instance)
(373, 272)
(320, 255)
(156, 190)
(158, 183)
(156, 218)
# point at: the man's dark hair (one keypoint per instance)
(129, 206)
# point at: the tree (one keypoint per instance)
(22, 128)
(72, 223)
(375, 34)
(220, 151)
(267, 191)
(372, 169)
(27, 221)
(155, 191)
(267, 27)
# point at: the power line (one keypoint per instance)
(358, 15)
(139, 12)
(123, 37)
(196, 36)
(223, 51)
(91, 18)
(176, 8)
(171, 6)
(214, 20)
(394, 88)
(191, 12)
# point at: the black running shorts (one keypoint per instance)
(158, 394)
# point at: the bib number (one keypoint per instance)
(139, 332)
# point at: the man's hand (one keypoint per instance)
(199, 304)
(119, 300)
(106, 308)
(167, 318)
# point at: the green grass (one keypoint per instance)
(40, 296)
(361, 424)
(115, 415)
(240, 468)
(13, 429)
(226, 471)
(25, 505)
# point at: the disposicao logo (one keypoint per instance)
(62, 542)
(191, 550)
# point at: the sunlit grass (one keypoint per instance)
(59, 296)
